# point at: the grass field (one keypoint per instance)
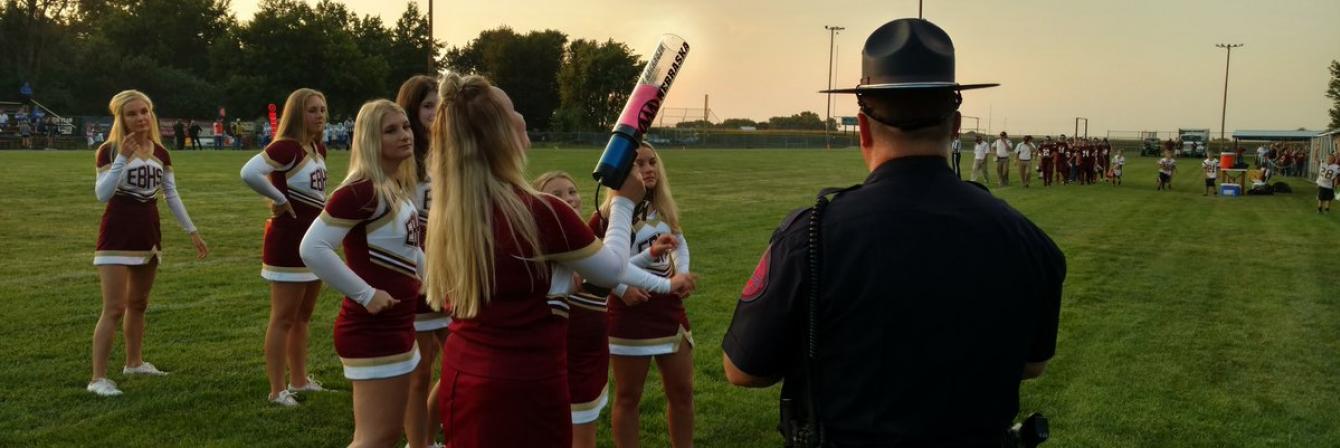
(1187, 321)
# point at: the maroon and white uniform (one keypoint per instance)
(505, 371)
(287, 172)
(660, 325)
(588, 336)
(425, 318)
(129, 232)
(382, 251)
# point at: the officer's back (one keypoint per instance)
(934, 299)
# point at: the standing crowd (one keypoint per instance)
(449, 253)
(1059, 161)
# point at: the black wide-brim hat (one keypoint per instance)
(907, 54)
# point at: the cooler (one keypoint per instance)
(1230, 190)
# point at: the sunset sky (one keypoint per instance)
(1125, 65)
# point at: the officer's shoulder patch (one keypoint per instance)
(758, 281)
(978, 185)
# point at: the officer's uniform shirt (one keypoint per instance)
(934, 296)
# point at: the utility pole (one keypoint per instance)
(919, 9)
(431, 69)
(832, 34)
(1223, 114)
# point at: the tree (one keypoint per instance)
(694, 124)
(1333, 92)
(802, 121)
(594, 84)
(34, 35)
(411, 48)
(737, 123)
(525, 66)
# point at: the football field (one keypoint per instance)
(1187, 320)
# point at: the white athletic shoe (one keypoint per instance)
(144, 369)
(104, 387)
(285, 398)
(312, 386)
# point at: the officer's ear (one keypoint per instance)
(867, 141)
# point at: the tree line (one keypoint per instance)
(194, 56)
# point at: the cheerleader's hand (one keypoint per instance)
(278, 210)
(634, 296)
(380, 301)
(663, 244)
(201, 249)
(683, 285)
(129, 145)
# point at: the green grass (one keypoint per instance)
(1187, 321)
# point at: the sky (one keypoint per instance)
(1125, 65)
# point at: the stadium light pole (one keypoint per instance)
(1223, 113)
(832, 35)
(1086, 127)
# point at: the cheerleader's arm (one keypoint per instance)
(174, 202)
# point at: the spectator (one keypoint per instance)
(979, 151)
(52, 126)
(219, 135)
(25, 134)
(4, 121)
(179, 135)
(1024, 152)
(1003, 148)
(266, 132)
(194, 129)
(237, 133)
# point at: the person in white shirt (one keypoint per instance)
(979, 151)
(1003, 148)
(1261, 152)
(1167, 166)
(1211, 167)
(1326, 174)
(955, 146)
(1118, 161)
(1024, 151)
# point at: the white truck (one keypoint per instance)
(1193, 142)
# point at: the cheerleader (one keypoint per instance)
(646, 326)
(493, 247)
(588, 332)
(373, 215)
(132, 166)
(418, 97)
(291, 172)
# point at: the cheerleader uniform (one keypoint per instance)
(660, 325)
(287, 172)
(129, 232)
(381, 249)
(425, 318)
(588, 337)
(504, 371)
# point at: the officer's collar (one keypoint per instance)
(911, 165)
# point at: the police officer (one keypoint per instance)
(889, 341)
